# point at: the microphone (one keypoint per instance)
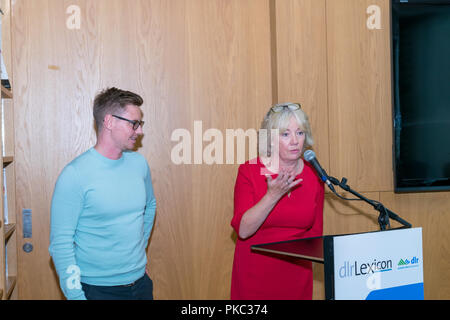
(310, 156)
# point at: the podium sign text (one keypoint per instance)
(379, 265)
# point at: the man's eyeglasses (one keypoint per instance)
(135, 123)
(281, 107)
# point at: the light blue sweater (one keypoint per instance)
(102, 213)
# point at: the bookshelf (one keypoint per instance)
(8, 229)
(6, 93)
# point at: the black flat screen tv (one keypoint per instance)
(421, 95)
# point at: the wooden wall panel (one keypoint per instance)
(301, 74)
(343, 216)
(52, 125)
(431, 212)
(230, 88)
(360, 124)
(162, 71)
(301, 55)
(191, 60)
(359, 95)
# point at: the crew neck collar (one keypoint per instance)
(104, 159)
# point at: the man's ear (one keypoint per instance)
(107, 121)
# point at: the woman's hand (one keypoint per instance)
(278, 187)
(254, 217)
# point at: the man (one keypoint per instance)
(103, 208)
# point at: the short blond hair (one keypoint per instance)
(280, 120)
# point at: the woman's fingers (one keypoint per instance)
(283, 182)
(295, 182)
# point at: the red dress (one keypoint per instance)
(265, 276)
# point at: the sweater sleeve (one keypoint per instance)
(150, 208)
(66, 207)
(243, 196)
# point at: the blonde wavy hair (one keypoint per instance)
(280, 120)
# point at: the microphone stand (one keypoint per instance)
(385, 214)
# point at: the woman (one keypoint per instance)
(278, 197)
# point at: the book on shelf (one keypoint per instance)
(4, 73)
(1, 13)
(6, 262)
(5, 198)
(3, 128)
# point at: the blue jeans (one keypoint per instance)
(141, 289)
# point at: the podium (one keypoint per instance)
(379, 265)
